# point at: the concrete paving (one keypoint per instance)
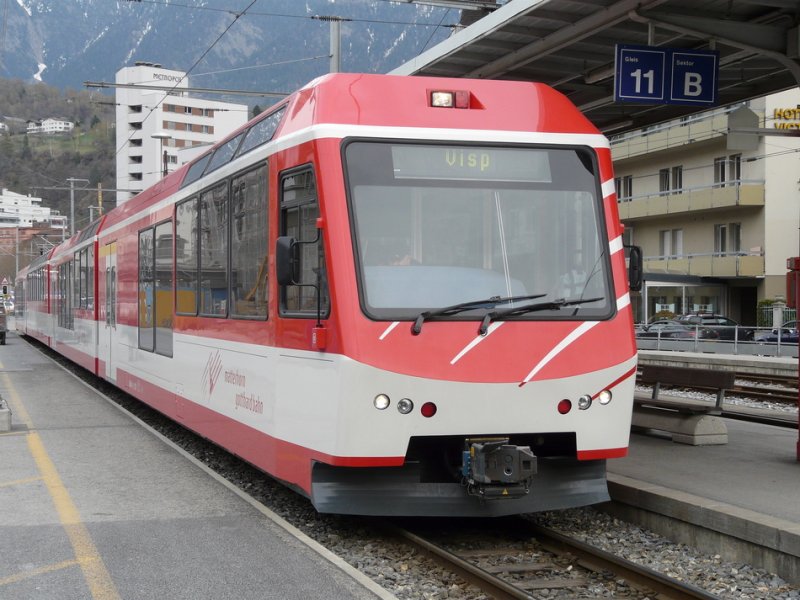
(94, 506)
(740, 500)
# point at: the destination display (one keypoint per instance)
(470, 163)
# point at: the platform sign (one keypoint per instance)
(656, 75)
(694, 77)
(640, 74)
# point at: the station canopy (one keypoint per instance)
(570, 45)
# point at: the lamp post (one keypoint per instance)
(161, 136)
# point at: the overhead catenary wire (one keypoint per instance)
(166, 3)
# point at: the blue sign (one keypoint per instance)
(655, 75)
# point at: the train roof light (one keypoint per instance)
(449, 99)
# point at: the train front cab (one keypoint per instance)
(483, 334)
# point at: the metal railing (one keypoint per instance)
(739, 340)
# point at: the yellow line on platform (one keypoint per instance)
(19, 481)
(94, 570)
(36, 572)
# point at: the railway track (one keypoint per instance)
(548, 560)
(783, 390)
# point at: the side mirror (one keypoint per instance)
(635, 268)
(286, 260)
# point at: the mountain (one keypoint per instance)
(275, 46)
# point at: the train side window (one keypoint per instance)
(299, 214)
(163, 288)
(249, 253)
(90, 277)
(155, 289)
(260, 133)
(77, 282)
(196, 170)
(224, 154)
(214, 251)
(146, 294)
(186, 232)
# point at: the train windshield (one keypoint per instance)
(436, 225)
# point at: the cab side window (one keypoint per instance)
(299, 214)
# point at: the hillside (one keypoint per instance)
(31, 163)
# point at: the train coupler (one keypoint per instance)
(493, 468)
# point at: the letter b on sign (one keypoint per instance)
(692, 84)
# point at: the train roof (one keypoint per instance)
(388, 101)
(402, 101)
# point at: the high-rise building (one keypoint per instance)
(152, 125)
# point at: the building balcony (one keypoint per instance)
(674, 134)
(692, 200)
(739, 264)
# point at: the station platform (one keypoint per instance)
(93, 506)
(743, 495)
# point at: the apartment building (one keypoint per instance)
(716, 223)
(154, 127)
(17, 210)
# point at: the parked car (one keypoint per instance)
(726, 329)
(789, 334)
(673, 329)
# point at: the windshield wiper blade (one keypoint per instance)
(465, 306)
(521, 310)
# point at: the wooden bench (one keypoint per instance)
(689, 422)
(658, 375)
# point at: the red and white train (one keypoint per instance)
(398, 295)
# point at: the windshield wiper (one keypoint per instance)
(465, 306)
(521, 310)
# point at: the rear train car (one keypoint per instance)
(398, 295)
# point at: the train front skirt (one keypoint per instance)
(403, 491)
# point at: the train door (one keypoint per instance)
(109, 333)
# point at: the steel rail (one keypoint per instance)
(492, 585)
(590, 557)
(639, 575)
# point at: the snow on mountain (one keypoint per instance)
(276, 45)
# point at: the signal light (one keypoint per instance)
(428, 409)
(564, 406)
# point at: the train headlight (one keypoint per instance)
(584, 402)
(604, 397)
(404, 406)
(450, 98)
(381, 401)
(443, 99)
